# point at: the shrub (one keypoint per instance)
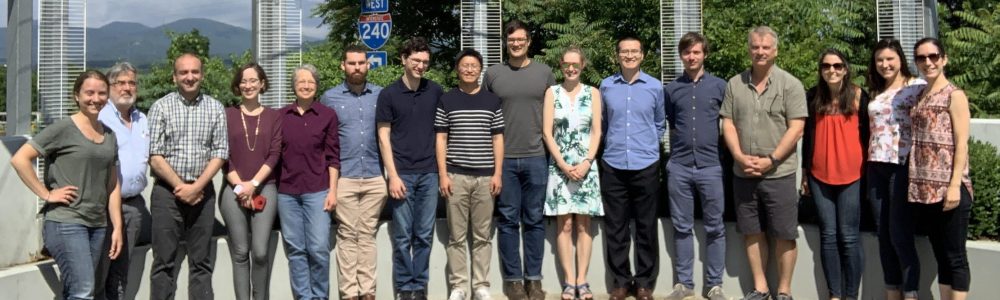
(985, 171)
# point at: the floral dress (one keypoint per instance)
(571, 132)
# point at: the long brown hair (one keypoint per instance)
(876, 83)
(823, 97)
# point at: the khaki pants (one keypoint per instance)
(470, 208)
(359, 204)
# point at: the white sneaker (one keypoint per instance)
(482, 293)
(457, 294)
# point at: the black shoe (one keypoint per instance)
(419, 295)
(405, 295)
(514, 290)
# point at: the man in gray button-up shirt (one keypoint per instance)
(763, 113)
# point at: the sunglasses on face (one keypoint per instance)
(934, 57)
(836, 66)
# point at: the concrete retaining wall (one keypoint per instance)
(40, 280)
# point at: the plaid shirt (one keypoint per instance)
(188, 133)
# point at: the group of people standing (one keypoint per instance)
(523, 146)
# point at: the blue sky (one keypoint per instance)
(158, 12)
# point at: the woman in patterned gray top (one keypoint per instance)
(81, 188)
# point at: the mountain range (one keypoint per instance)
(143, 45)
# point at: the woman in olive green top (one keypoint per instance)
(81, 188)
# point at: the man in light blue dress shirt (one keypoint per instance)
(132, 130)
(634, 119)
(361, 189)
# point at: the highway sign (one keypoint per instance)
(376, 59)
(374, 6)
(374, 29)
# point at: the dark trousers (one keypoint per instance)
(113, 275)
(175, 222)
(887, 184)
(947, 231)
(631, 195)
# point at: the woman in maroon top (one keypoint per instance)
(307, 188)
(248, 200)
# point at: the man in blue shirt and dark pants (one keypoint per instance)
(634, 122)
(693, 102)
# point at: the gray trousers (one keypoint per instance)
(112, 275)
(250, 243)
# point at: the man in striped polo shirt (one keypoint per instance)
(469, 125)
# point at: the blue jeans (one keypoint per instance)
(521, 202)
(412, 230)
(305, 228)
(77, 250)
(683, 182)
(839, 210)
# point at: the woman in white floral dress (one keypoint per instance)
(571, 128)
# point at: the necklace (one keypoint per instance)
(246, 134)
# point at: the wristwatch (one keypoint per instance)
(774, 161)
(256, 183)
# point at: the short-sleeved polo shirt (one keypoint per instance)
(410, 114)
(762, 119)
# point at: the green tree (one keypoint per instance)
(216, 75)
(437, 21)
(973, 62)
(327, 57)
(805, 28)
(592, 26)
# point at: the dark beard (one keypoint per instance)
(356, 78)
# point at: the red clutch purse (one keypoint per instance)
(258, 202)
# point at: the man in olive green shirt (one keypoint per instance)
(763, 114)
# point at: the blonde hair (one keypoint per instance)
(761, 31)
(575, 49)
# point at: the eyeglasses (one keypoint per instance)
(517, 40)
(469, 67)
(836, 66)
(573, 65)
(250, 81)
(416, 62)
(629, 51)
(124, 83)
(934, 57)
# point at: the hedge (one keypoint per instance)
(985, 172)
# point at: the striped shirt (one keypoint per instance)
(188, 133)
(471, 121)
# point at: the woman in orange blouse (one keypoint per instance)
(833, 148)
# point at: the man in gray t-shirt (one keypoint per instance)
(521, 83)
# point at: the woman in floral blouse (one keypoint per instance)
(895, 90)
(940, 188)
